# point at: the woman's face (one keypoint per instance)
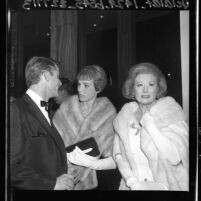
(146, 88)
(86, 90)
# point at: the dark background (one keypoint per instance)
(157, 41)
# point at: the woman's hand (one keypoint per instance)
(130, 182)
(79, 157)
(147, 120)
(147, 185)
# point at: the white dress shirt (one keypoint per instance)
(36, 98)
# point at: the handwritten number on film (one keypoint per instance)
(80, 4)
(111, 4)
(26, 4)
(57, 3)
(99, 4)
(36, 3)
(92, 4)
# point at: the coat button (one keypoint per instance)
(145, 179)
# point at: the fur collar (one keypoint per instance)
(167, 111)
(69, 117)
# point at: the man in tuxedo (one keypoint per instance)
(37, 152)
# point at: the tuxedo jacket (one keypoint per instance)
(37, 152)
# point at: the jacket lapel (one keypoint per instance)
(44, 123)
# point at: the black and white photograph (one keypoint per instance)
(102, 97)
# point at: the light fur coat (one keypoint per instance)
(168, 117)
(73, 127)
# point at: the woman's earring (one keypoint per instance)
(133, 96)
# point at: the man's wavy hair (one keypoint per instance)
(143, 68)
(36, 66)
(95, 73)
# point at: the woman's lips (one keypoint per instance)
(145, 96)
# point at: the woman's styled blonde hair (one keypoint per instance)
(95, 73)
(144, 68)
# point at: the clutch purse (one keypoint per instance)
(85, 144)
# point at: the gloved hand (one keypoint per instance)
(145, 185)
(147, 120)
(79, 157)
(130, 182)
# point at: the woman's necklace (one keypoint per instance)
(86, 109)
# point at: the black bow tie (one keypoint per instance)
(44, 104)
(47, 108)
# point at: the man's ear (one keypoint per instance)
(46, 75)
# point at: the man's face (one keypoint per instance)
(62, 95)
(54, 83)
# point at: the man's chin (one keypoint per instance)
(54, 95)
(82, 100)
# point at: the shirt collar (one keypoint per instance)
(34, 96)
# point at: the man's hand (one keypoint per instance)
(64, 182)
(79, 173)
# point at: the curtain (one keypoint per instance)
(63, 44)
(126, 44)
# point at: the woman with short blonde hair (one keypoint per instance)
(83, 116)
